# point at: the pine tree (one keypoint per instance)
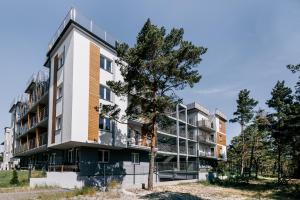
(153, 69)
(282, 102)
(14, 180)
(243, 115)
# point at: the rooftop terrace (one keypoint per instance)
(75, 16)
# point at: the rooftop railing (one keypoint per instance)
(85, 22)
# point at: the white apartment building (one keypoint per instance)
(57, 124)
(8, 162)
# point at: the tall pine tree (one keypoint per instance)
(243, 115)
(153, 69)
(281, 101)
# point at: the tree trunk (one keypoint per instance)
(151, 167)
(279, 165)
(251, 160)
(243, 149)
(152, 154)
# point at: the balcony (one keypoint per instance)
(169, 130)
(75, 16)
(37, 120)
(182, 149)
(192, 135)
(206, 139)
(192, 150)
(206, 125)
(207, 154)
(165, 147)
(32, 144)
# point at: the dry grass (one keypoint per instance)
(258, 189)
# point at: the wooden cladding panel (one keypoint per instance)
(54, 99)
(221, 139)
(222, 126)
(94, 80)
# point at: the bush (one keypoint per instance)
(113, 184)
(14, 180)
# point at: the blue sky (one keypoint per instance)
(249, 42)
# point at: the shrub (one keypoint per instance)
(113, 184)
(15, 180)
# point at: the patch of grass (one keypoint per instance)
(114, 184)
(6, 176)
(85, 191)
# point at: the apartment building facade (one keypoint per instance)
(56, 124)
(9, 162)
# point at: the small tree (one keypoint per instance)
(243, 115)
(157, 66)
(14, 180)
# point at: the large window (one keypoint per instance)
(103, 156)
(61, 59)
(135, 158)
(105, 63)
(105, 93)
(58, 123)
(59, 91)
(105, 124)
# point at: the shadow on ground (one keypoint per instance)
(265, 189)
(167, 195)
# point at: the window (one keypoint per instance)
(105, 124)
(105, 93)
(59, 92)
(135, 158)
(103, 156)
(58, 123)
(61, 59)
(105, 63)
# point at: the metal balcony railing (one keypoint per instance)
(206, 125)
(182, 133)
(192, 135)
(182, 149)
(43, 113)
(74, 15)
(167, 147)
(192, 150)
(206, 154)
(206, 139)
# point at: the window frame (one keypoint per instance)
(105, 123)
(58, 97)
(103, 157)
(105, 63)
(57, 128)
(61, 59)
(105, 90)
(133, 158)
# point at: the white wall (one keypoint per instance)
(64, 76)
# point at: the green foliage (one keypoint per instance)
(157, 66)
(15, 180)
(153, 69)
(245, 106)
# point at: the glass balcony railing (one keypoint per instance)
(74, 15)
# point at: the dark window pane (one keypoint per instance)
(100, 156)
(101, 123)
(102, 92)
(108, 65)
(107, 124)
(108, 94)
(106, 156)
(102, 62)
